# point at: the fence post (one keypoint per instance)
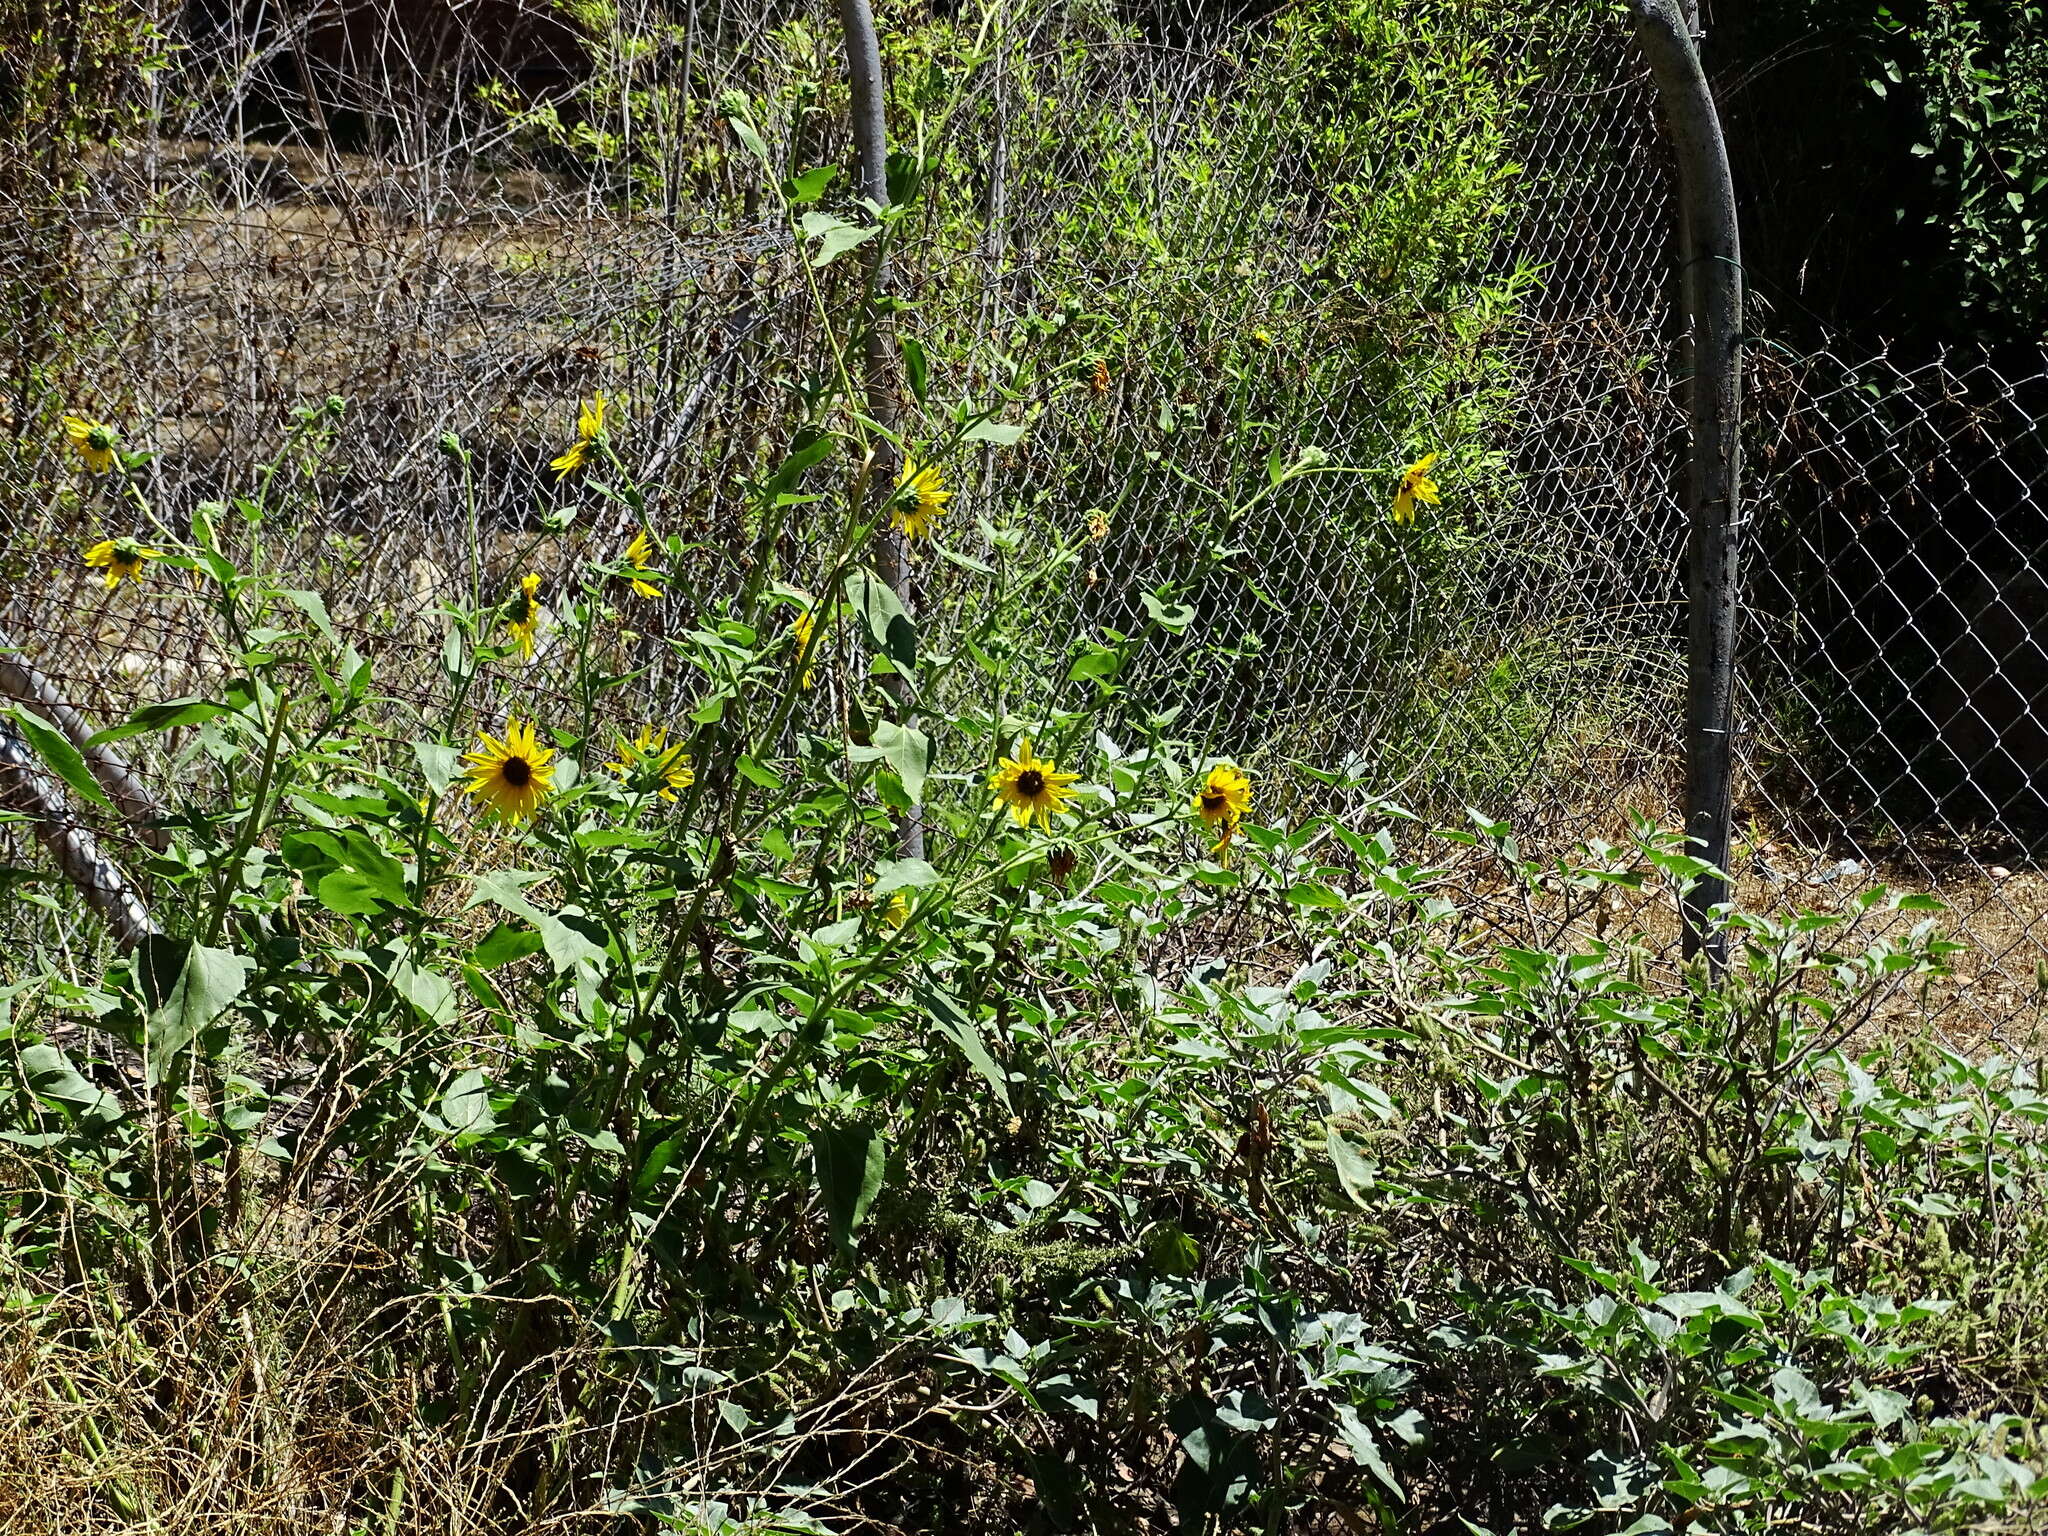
(871, 181)
(1711, 259)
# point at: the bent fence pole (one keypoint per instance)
(1711, 260)
(871, 181)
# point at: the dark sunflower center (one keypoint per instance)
(1031, 783)
(518, 772)
(1214, 802)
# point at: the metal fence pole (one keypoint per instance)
(1711, 256)
(871, 181)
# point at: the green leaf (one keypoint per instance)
(505, 944)
(160, 717)
(51, 1076)
(202, 984)
(744, 132)
(884, 621)
(951, 1019)
(908, 751)
(996, 432)
(1353, 1171)
(835, 236)
(314, 607)
(368, 879)
(893, 875)
(916, 368)
(466, 1106)
(851, 1160)
(57, 753)
(430, 993)
(810, 186)
(566, 942)
(1313, 893)
(1172, 617)
(442, 765)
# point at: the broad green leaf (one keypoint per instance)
(441, 765)
(887, 625)
(1353, 1171)
(430, 993)
(810, 186)
(204, 984)
(999, 433)
(51, 1076)
(951, 1019)
(57, 753)
(907, 750)
(851, 1160)
(835, 236)
(893, 875)
(466, 1106)
(160, 717)
(503, 945)
(314, 607)
(744, 132)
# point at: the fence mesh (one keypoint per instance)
(466, 220)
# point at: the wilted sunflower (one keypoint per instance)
(639, 565)
(649, 760)
(918, 513)
(94, 440)
(1415, 486)
(121, 559)
(589, 424)
(1033, 789)
(523, 613)
(511, 776)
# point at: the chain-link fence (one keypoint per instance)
(467, 221)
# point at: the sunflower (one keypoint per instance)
(1415, 486)
(1033, 789)
(639, 558)
(511, 776)
(122, 559)
(648, 760)
(94, 441)
(801, 628)
(897, 912)
(918, 513)
(589, 426)
(523, 613)
(1224, 797)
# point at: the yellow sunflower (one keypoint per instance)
(94, 440)
(122, 559)
(648, 761)
(523, 613)
(918, 513)
(801, 628)
(639, 565)
(1416, 486)
(1033, 789)
(1224, 797)
(897, 912)
(589, 426)
(511, 776)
